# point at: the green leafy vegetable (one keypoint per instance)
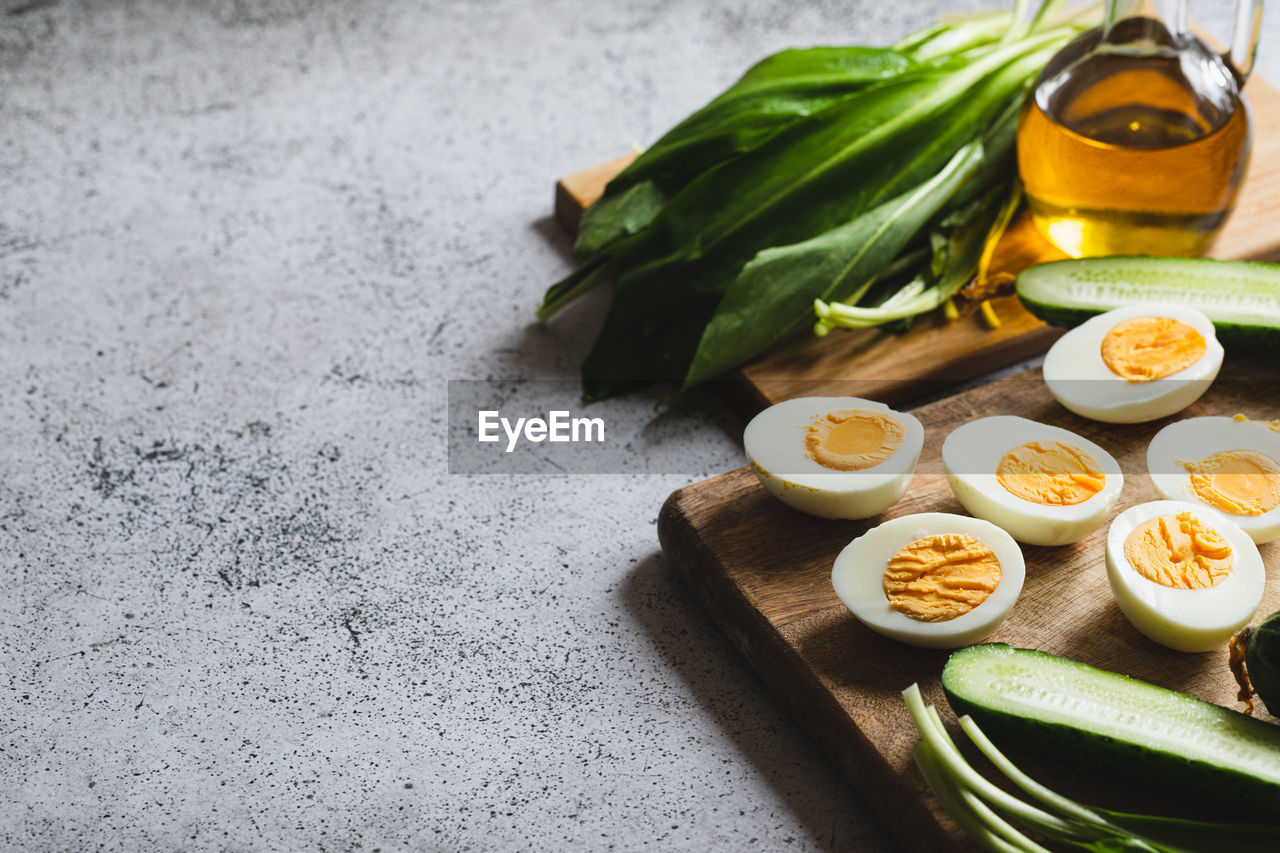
(818, 176)
(777, 90)
(772, 297)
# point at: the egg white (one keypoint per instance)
(774, 443)
(858, 579)
(1188, 620)
(1081, 381)
(971, 454)
(1194, 439)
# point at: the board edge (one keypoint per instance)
(903, 809)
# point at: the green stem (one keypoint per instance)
(954, 37)
(959, 770)
(1049, 798)
(1048, 15)
(949, 796)
(1020, 26)
(582, 280)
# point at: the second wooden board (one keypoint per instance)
(763, 572)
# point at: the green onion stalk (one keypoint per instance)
(997, 820)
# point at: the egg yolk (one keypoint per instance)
(852, 439)
(1050, 473)
(1179, 551)
(938, 578)
(1148, 348)
(1238, 482)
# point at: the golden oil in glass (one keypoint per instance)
(1134, 144)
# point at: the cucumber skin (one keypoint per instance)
(1233, 336)
(1262, 661)
(1260, 338)
(1237, 793)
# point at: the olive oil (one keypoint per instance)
(1134, 145)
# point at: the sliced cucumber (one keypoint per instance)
(1241, 297)
(1076, 714)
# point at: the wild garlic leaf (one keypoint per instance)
(773, 296)
(874, 146)
(775, 92)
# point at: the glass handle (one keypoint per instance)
(1244, 39)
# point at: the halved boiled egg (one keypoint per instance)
(1043, 484)
(1230, 465)
(931, 579)
(1183, 574)
(1134, 364)
(834, 457)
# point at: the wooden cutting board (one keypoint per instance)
(763, 572)
(935, 353)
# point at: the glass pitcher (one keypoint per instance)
(1137, 136)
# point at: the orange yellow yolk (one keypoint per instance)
(1179, 551)
(938, 578)
(852, 439)
(1148, 348)
(1237, 482)
(1050, 473)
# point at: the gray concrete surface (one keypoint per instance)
(243, 245)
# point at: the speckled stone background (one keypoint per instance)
(243, 246)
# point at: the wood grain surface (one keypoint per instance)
(763, 571)
(890, 367)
